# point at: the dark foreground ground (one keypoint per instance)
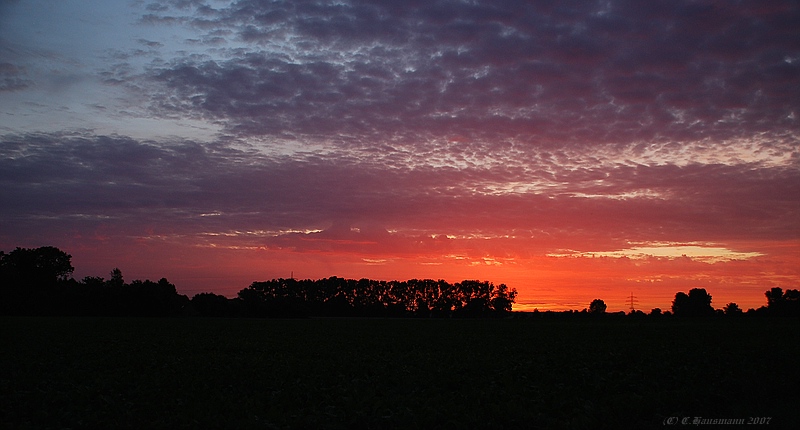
(375, 373)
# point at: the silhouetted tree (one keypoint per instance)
(774, 297)
(732, 309)
(36, 267)
(148, 298)
(474, 298)
(280, 298)
(93, 281)
(364, 297)
(37, 282)
(656, 312)
(696, 303)
(791, 299)
(29, 279)
(212, 305)
(680, 304)
(782, 303)
(503, 299)
(597, 307)
(116, 281)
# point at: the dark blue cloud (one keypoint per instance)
(13, 78)
(664, 120)
(545, 73)
(58, 184)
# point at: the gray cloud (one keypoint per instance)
(13, 78)
(541, 73)
(78, 182)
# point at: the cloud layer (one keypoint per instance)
(486, 72)
(449, 135)
(206, 190)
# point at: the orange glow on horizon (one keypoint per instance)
(400, 141)
(544, 282)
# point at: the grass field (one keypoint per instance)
(386, 373)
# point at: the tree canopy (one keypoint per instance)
(696, 303)
(597, 307)
(783, 303)
(37, 282)
(336, 296)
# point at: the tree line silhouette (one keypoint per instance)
(38, 282)
(697, 303)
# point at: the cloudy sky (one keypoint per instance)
(571, 150)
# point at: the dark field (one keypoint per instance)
(404, 373)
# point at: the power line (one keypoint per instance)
(632, 301)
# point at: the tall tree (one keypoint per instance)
(783, 303)
(696, 303)
(732, 309)
(116, 278)
(503, 299)
(44, 265)
(774, 297)
(597, 307)
(29, 277)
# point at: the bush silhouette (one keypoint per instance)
(597, 307)
(696, 303)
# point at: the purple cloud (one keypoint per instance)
(192, 190)
(13, 78)
(385, 129)
(544, 74)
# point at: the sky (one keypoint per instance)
(570, 150)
